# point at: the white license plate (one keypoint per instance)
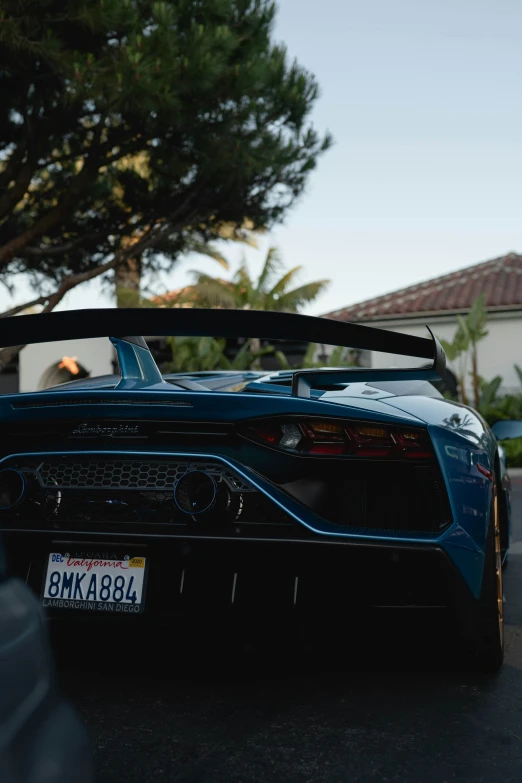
(116, 586)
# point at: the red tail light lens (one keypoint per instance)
(316, 437)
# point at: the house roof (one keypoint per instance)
(500, 280)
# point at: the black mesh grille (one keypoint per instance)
(392, 505)
(376, 497)
(128, 474)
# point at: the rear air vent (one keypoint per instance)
(67, 402)
(376, 496)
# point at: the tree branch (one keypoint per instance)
(20, 308)
(50, 301)
(154, 233)
(55, 215)
(61, 249)
(58, 213)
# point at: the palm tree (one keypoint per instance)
(470, 331)
(271, 290)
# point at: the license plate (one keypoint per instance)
(116, 586)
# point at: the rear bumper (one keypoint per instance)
(206, 576)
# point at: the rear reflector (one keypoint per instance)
(485, 471)
(325, 437)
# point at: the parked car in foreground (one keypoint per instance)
(302, 491)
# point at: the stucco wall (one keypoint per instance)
(497, 353)
(94, 354)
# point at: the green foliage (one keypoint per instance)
(274, 289)
(488, 392)
(493, 407)
(507, 406)
(199, 354)
(157, 124)
(336, 359)
(474, 324)
(513, 449)
(194, 354)
(459, 344)
(463, 348)
(518, 372)
(490, 405)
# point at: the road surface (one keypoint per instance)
(212, 710)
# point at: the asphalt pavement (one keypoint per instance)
(189, 706)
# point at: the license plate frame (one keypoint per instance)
(133, 567)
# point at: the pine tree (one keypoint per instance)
(133, 131)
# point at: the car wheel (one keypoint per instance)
(488, 642)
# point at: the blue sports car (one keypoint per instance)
(148, 494)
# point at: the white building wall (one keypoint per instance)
(94, 354)
(497, 353)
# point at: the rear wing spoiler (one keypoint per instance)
(137, 365)
(303, 381)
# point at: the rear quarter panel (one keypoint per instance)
(462, 442)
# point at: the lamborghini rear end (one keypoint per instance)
(156, 498)
(274, 484)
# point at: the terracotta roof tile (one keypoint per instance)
(499, 279)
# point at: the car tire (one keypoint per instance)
(487, 645)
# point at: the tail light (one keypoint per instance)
(318, 437)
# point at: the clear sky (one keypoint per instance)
(424, 102)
